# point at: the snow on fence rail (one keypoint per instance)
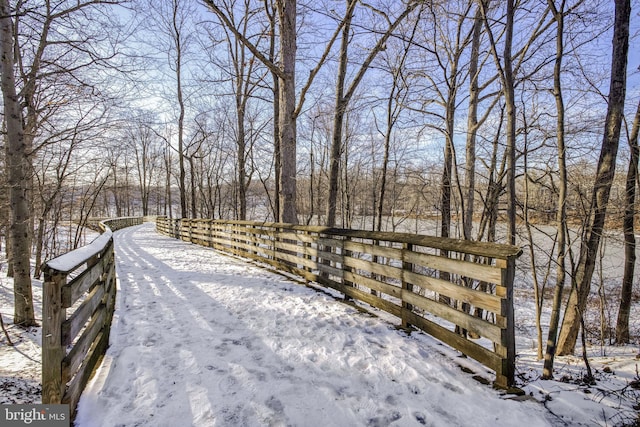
(78, 302)
(460, 292)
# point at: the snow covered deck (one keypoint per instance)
(203, 339)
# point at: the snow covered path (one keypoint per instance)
(203, 339)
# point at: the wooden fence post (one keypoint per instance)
(52, 350)
(406, 286)
(506, 378)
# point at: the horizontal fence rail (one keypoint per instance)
(78, 303)
(460, 292)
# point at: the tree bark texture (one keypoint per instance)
(287, 115)
(472, 128)
(510, 103)
(622, 323)
(16, 158)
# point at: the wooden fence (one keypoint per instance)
(459, 292)
(78, 302)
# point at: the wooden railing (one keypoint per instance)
(451, 289)
(78, 302)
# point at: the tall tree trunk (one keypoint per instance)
(16, 158)
(192, 175)
(445, 189)
(510, 103)
(622, 324)
(177, 35)
(287, 113)
(472, 129)
(343, 98)
(241, 147)
(449, 150)
(277, 151)
(385, 158)
(561, 213)
(602, 185)
(116, 191)
(494, 189)
(338, 119)
(506, 76)
(277, 156)
(168, 196)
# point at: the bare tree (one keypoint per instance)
(290, 105)
(561, 215)
(581, 280)
(622, 324)
(395, 103)
(172, 21)
(16, 159)
(343, 97)
(287, 114)
(245, 75)
(53, 46)
(143, 140)
(473, 124)
(506, 74)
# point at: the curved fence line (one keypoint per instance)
(79, 294)
(460, 292)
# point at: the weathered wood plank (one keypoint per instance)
(366, 297)
(53, 314)
(374, 267)
(292, 258)
(372, 300)
(407, 268)
(474, 297)
(79, 318)
(464, 320)
(79, 351)
(470, 348)
(338, 272)
(330, 242)
(376, 285)
(79, 382)
(293, 236)
(330, 256)
(508, 332)
(80, 284)
(485, 249)
(372, 249)
(482, 272)
(286, 246)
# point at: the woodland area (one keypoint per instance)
(498, 120)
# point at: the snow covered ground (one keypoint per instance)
(204, 339)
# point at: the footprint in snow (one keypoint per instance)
(385, 420)
(452, 387)
(275, 405)
(414, 389)
(420, 417)
(228, 384)
(391, 400)
(223, 349)
(150, 341)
